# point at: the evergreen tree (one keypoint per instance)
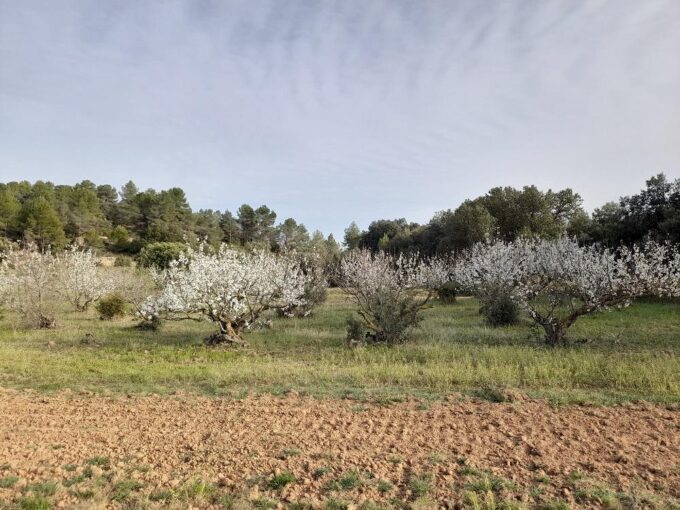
(352, 236)
(9, 212)
(41, 224)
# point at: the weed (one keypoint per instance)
(370, 505)
(123, 490)
(279, 481)
(336, 504)
(384, 486)
(196, 489)
(42, 489)
(555, 504)
(603, 497)
(264, 504)
(163, 495)
(420, 485)
(68, 482)
(576, 476)
(83, 493)
(320, 472)
(290, 452)
(470, 471)
(350, 481)
(8, 481)
(102, 462)
(34, 503)
(436, 458)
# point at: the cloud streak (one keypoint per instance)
(331, 111)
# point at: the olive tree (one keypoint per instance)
(390, 291)
(228, 287)
(558, 281)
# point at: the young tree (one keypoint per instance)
(352, 236)
(230, 288)
(390, 291)
(558, 281)
(27, 283)
(81, 280)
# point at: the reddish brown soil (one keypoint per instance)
(239, 444)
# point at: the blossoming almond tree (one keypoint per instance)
(316, 285)
(81, 280)
(558, 281)
(231, 288)
(27, 284)
(390, 291)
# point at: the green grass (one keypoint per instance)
(630, 354)
(279, 481)
(8, 481)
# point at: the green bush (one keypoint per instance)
(447, 292)
(152, 324)
(356, 329)
(159, 255)
(120, 241)
(498, 307)
(122, 261)
(390, 320)
(111, 306)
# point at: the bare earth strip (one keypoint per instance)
(238, 445)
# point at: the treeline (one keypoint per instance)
(509, 214)
(125, 221)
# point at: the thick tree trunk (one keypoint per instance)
(555, 332)
(228, 335)
(45, 322)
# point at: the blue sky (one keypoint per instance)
(333, 111)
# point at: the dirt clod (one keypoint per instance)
(157, 444)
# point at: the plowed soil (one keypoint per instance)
(429, 454)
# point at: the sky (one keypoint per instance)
(334, 111)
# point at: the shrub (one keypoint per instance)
(498, 307)
(447, 293)
(122, 261)
(356, 330)
(390, 291)
(111, 306)
(160, 255)
(153, 323)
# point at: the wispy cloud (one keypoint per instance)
(331, 111)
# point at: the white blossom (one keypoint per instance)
(229, 287)
(390, 291)
(27, 284)
(81, 280)
(557, 281)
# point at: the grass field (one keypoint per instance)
(616, 356)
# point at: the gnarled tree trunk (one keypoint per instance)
(229, 334)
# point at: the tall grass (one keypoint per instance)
(627, 355)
